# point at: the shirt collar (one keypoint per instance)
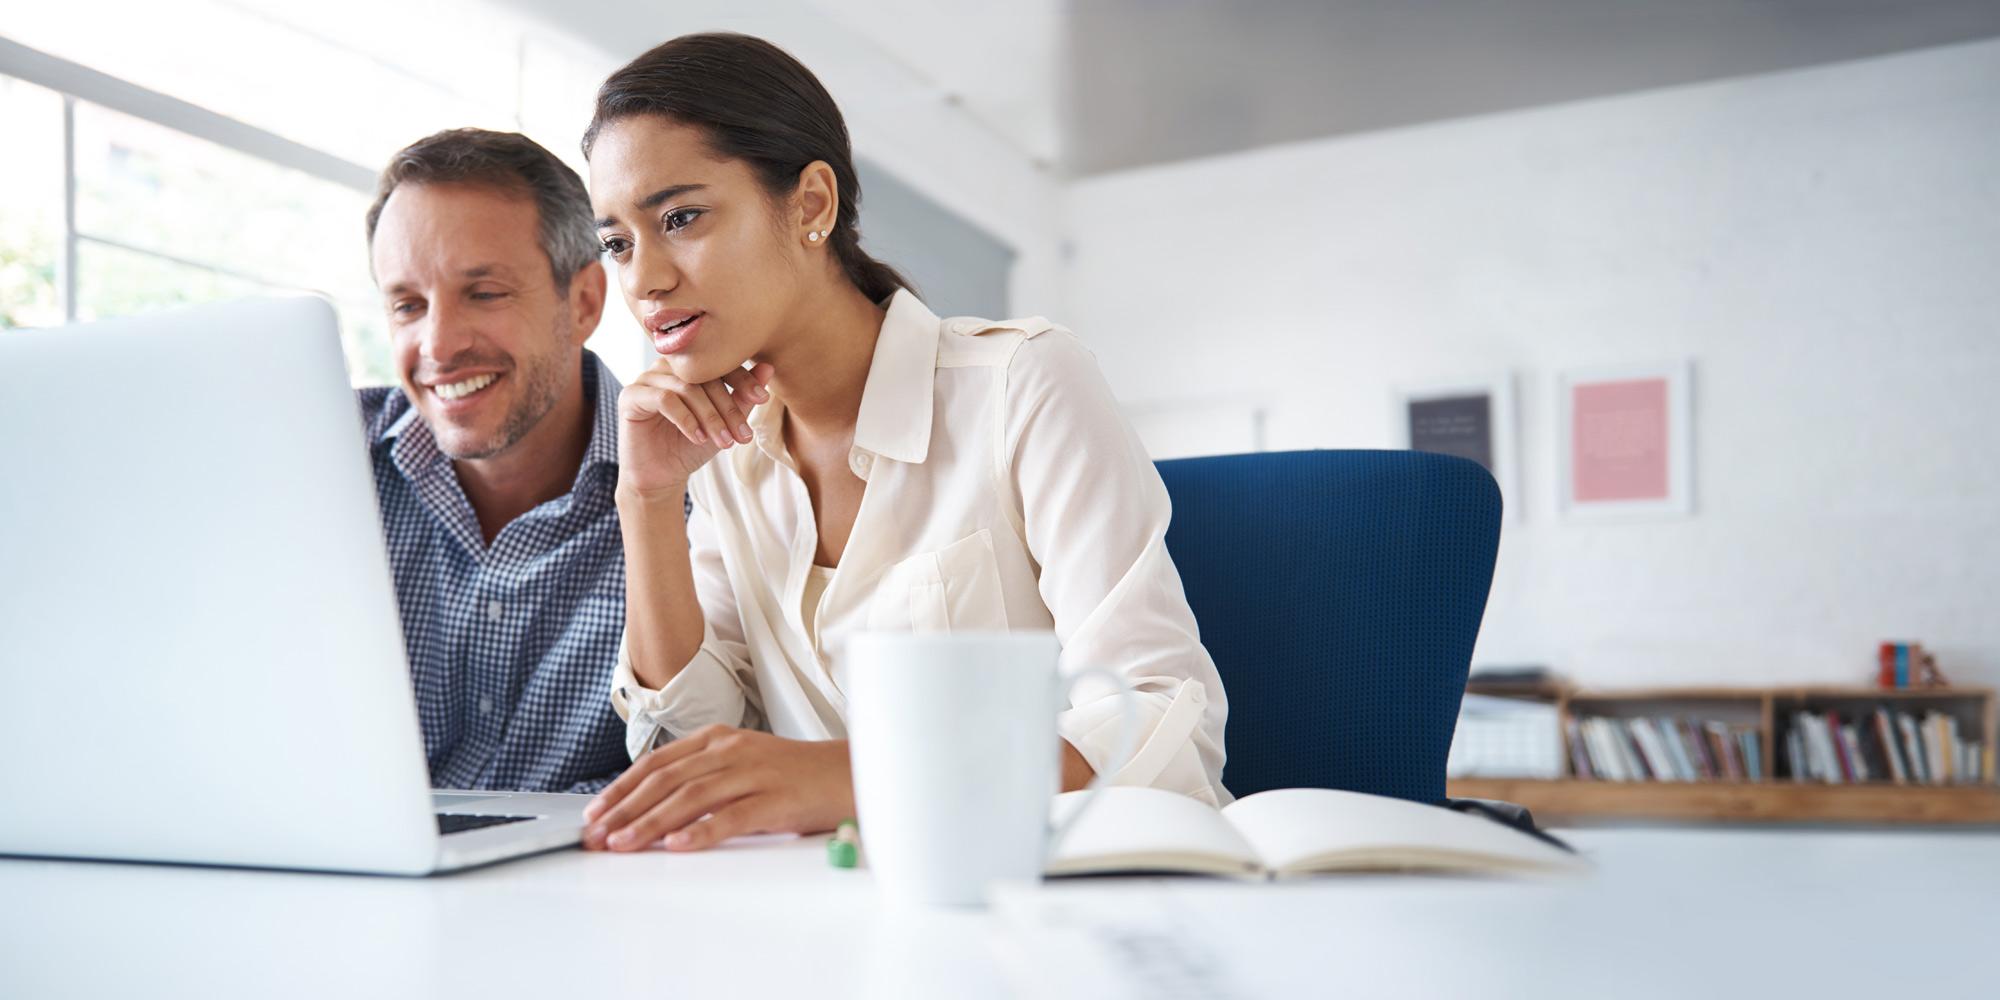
(415, 450)
(602, 387)
(895, 417)
(896, 400)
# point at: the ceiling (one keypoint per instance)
(1090, 86)
(1161, 80)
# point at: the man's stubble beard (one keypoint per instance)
(541, 387)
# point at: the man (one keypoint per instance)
(496, 460)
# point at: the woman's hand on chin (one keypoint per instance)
(717, 783)
(669, 428)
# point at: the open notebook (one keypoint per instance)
(1290, 831)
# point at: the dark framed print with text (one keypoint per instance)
(1470, 418)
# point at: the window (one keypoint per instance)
(31, 199)
(357, 80)
(163, 219)
(239, 160)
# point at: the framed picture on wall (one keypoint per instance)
(1625, 445)
(1470, 418)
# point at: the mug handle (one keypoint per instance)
(1128, 740)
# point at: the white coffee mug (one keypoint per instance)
(952, 736)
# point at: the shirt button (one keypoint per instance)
(494, 612)
(861, 463)
(485, 705)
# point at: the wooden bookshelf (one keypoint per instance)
(1777, 798)
(1568, 799)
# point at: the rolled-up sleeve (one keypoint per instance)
(715, 686)
(1095, 514)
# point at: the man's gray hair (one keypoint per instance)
(511, 161)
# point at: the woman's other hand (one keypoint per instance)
(717, 783)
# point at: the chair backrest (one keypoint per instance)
(1340, 593)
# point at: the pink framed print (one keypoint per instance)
(1626, 441)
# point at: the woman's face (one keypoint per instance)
(705, 261)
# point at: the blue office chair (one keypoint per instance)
(1340, 593)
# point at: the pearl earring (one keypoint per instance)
(814, 237)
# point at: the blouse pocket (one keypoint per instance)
(954, 589)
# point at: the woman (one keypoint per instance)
(873, 468)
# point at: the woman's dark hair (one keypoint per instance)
(759, 105)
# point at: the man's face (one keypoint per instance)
(480, 336)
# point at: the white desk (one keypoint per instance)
(1669, 913)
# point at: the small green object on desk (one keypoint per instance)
(844, 850)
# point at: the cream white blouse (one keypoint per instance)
(1004, 490)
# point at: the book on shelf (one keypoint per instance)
(1726, 748)
(1892, 750)
(1530, 680)
(1661, 761)
(1907, 665)
(1693, 750)
(1579, 758)
(1821, 758)
(1851, 768)
(1753, 753)
(1505, 738)
(1635, 758)
(1663, 749)
(1944, 738)
(1884, 746)
(1606, 757)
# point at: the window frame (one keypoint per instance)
(74, 82)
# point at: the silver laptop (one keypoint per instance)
(200, 655)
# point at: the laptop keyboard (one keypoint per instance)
(450, 823)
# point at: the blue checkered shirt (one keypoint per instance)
(511, 645)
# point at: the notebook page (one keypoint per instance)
(1133, 828)
(1301, 828)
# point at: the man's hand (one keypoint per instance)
(717, 783)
